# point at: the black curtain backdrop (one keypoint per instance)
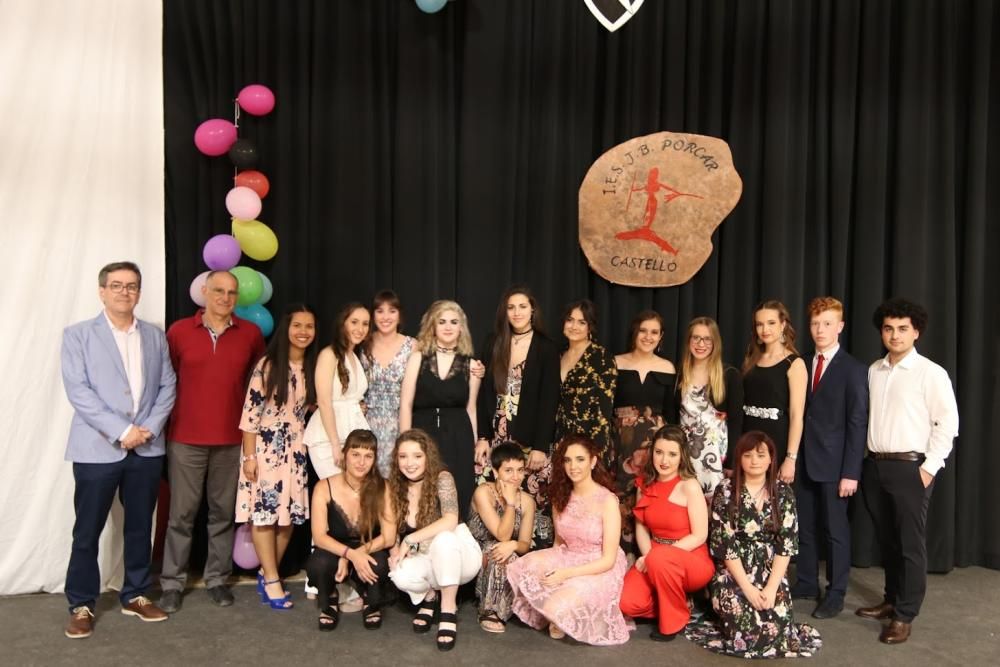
(440, 155)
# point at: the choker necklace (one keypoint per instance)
(518, 337)
(445, 350)
(356, 491)
(417, 481)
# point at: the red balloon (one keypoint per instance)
(254, 180)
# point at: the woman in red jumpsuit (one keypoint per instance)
(671, 528)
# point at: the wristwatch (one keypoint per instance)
(412, 546)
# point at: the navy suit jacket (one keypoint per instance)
(836, 421)
(98, 390)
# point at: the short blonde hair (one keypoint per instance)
(425, 339)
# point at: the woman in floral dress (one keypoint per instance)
(752, 535)
(272, 492)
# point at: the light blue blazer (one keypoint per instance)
(98, 390)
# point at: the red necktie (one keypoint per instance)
(819, 372)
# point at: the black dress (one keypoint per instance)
(765, 403)
(641, 408)
(322, 565)
(440, 408)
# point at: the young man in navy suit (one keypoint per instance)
(833, 446)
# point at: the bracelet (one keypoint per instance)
(792, 455)
(346, 549)
(244, 458)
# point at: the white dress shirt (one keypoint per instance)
(129, 345)
(913, 409)
(827, 358)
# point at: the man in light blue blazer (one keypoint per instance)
(119, 380)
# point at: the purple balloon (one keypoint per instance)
(256, 99)
(222, 252)
(195, 291)
(215, 136)
(244, 554)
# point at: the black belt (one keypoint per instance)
(915, 457)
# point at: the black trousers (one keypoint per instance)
(322, 568)
(819, 505)
(897, 501)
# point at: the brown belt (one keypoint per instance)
(915, 457)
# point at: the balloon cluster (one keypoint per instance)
(431, 6)
(222, 252)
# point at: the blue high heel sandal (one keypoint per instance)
(280, 604)
(260, 584)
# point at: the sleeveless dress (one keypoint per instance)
(494, 593)
(765, 403)
(708, 436)
(586, 399)
(440, 408)
(741, 630)
(584, 607)
(280, 495)
(346, 410)
(384, 387)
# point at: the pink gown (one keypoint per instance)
(585, 607)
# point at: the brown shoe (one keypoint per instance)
(81, 623)
(896, 632)
(878, 612)
(144, 608)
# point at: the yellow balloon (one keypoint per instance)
(256, 239)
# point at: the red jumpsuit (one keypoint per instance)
(661, 591)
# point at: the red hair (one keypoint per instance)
(560, 487)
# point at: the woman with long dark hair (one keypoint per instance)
(352, 529)
(774, 384)
(574, 586)
(753, 535)
(272, 492)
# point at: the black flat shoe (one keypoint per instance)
(658, 636)
(829, 607)
(426, 616)
(447, 617)
(329, 617)
(371, 617)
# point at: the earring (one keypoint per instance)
(782, 337)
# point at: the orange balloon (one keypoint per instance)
(254, 180)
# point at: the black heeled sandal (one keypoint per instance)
(447, 617)
(329, 617)
(427, 614)
(371, 617)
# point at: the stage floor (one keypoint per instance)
(959, 625)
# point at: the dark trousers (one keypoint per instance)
(322, 567)
(193, 469)
(819, 505)
(136, 480)
(897, 500)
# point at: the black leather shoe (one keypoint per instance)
(658, 636)
(803, 594)
(878, 612)
(829, 607)
(221, 596)
(170, 601)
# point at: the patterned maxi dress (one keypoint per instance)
(494, 592)
(280, 495)
(743, 631)
(384, 388)
(708, 436)
(586, 402)
(584, 607)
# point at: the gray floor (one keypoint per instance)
(959, 625)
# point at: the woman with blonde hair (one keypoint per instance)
(439, 392)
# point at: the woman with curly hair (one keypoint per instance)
(439, 393)
(435, 554)
(574, 586)
(352, 529)
(774, 384)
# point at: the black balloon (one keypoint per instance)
(243, 154)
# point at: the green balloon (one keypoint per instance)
(250, 283)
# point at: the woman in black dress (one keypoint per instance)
(439, 393)
(519, 395)
(774, 384)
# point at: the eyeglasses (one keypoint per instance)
(118, 288)
(230, 294)
(702, 340)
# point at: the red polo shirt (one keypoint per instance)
(211, 379)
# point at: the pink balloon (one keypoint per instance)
(196, 285)
(215, 136)
(256, 99)
(244, 554)
(243, 203)
(222, 252)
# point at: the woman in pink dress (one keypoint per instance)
(574, 586)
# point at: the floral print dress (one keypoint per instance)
(586, 402)
(280, 495)
(743, 631)
(708, 436)
(382, 400)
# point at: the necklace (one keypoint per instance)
(757, 495)
(356, 491)
(445, 350)
(518, 337)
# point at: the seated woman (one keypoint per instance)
(500, 519)
(574, 586)
(352, 529)
(753, 534)
(671, 525)
(436, 554)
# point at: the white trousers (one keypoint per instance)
(454, 558)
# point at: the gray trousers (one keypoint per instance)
(193, 469)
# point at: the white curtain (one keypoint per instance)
(81, 185)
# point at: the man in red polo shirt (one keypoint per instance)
(213, 353)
